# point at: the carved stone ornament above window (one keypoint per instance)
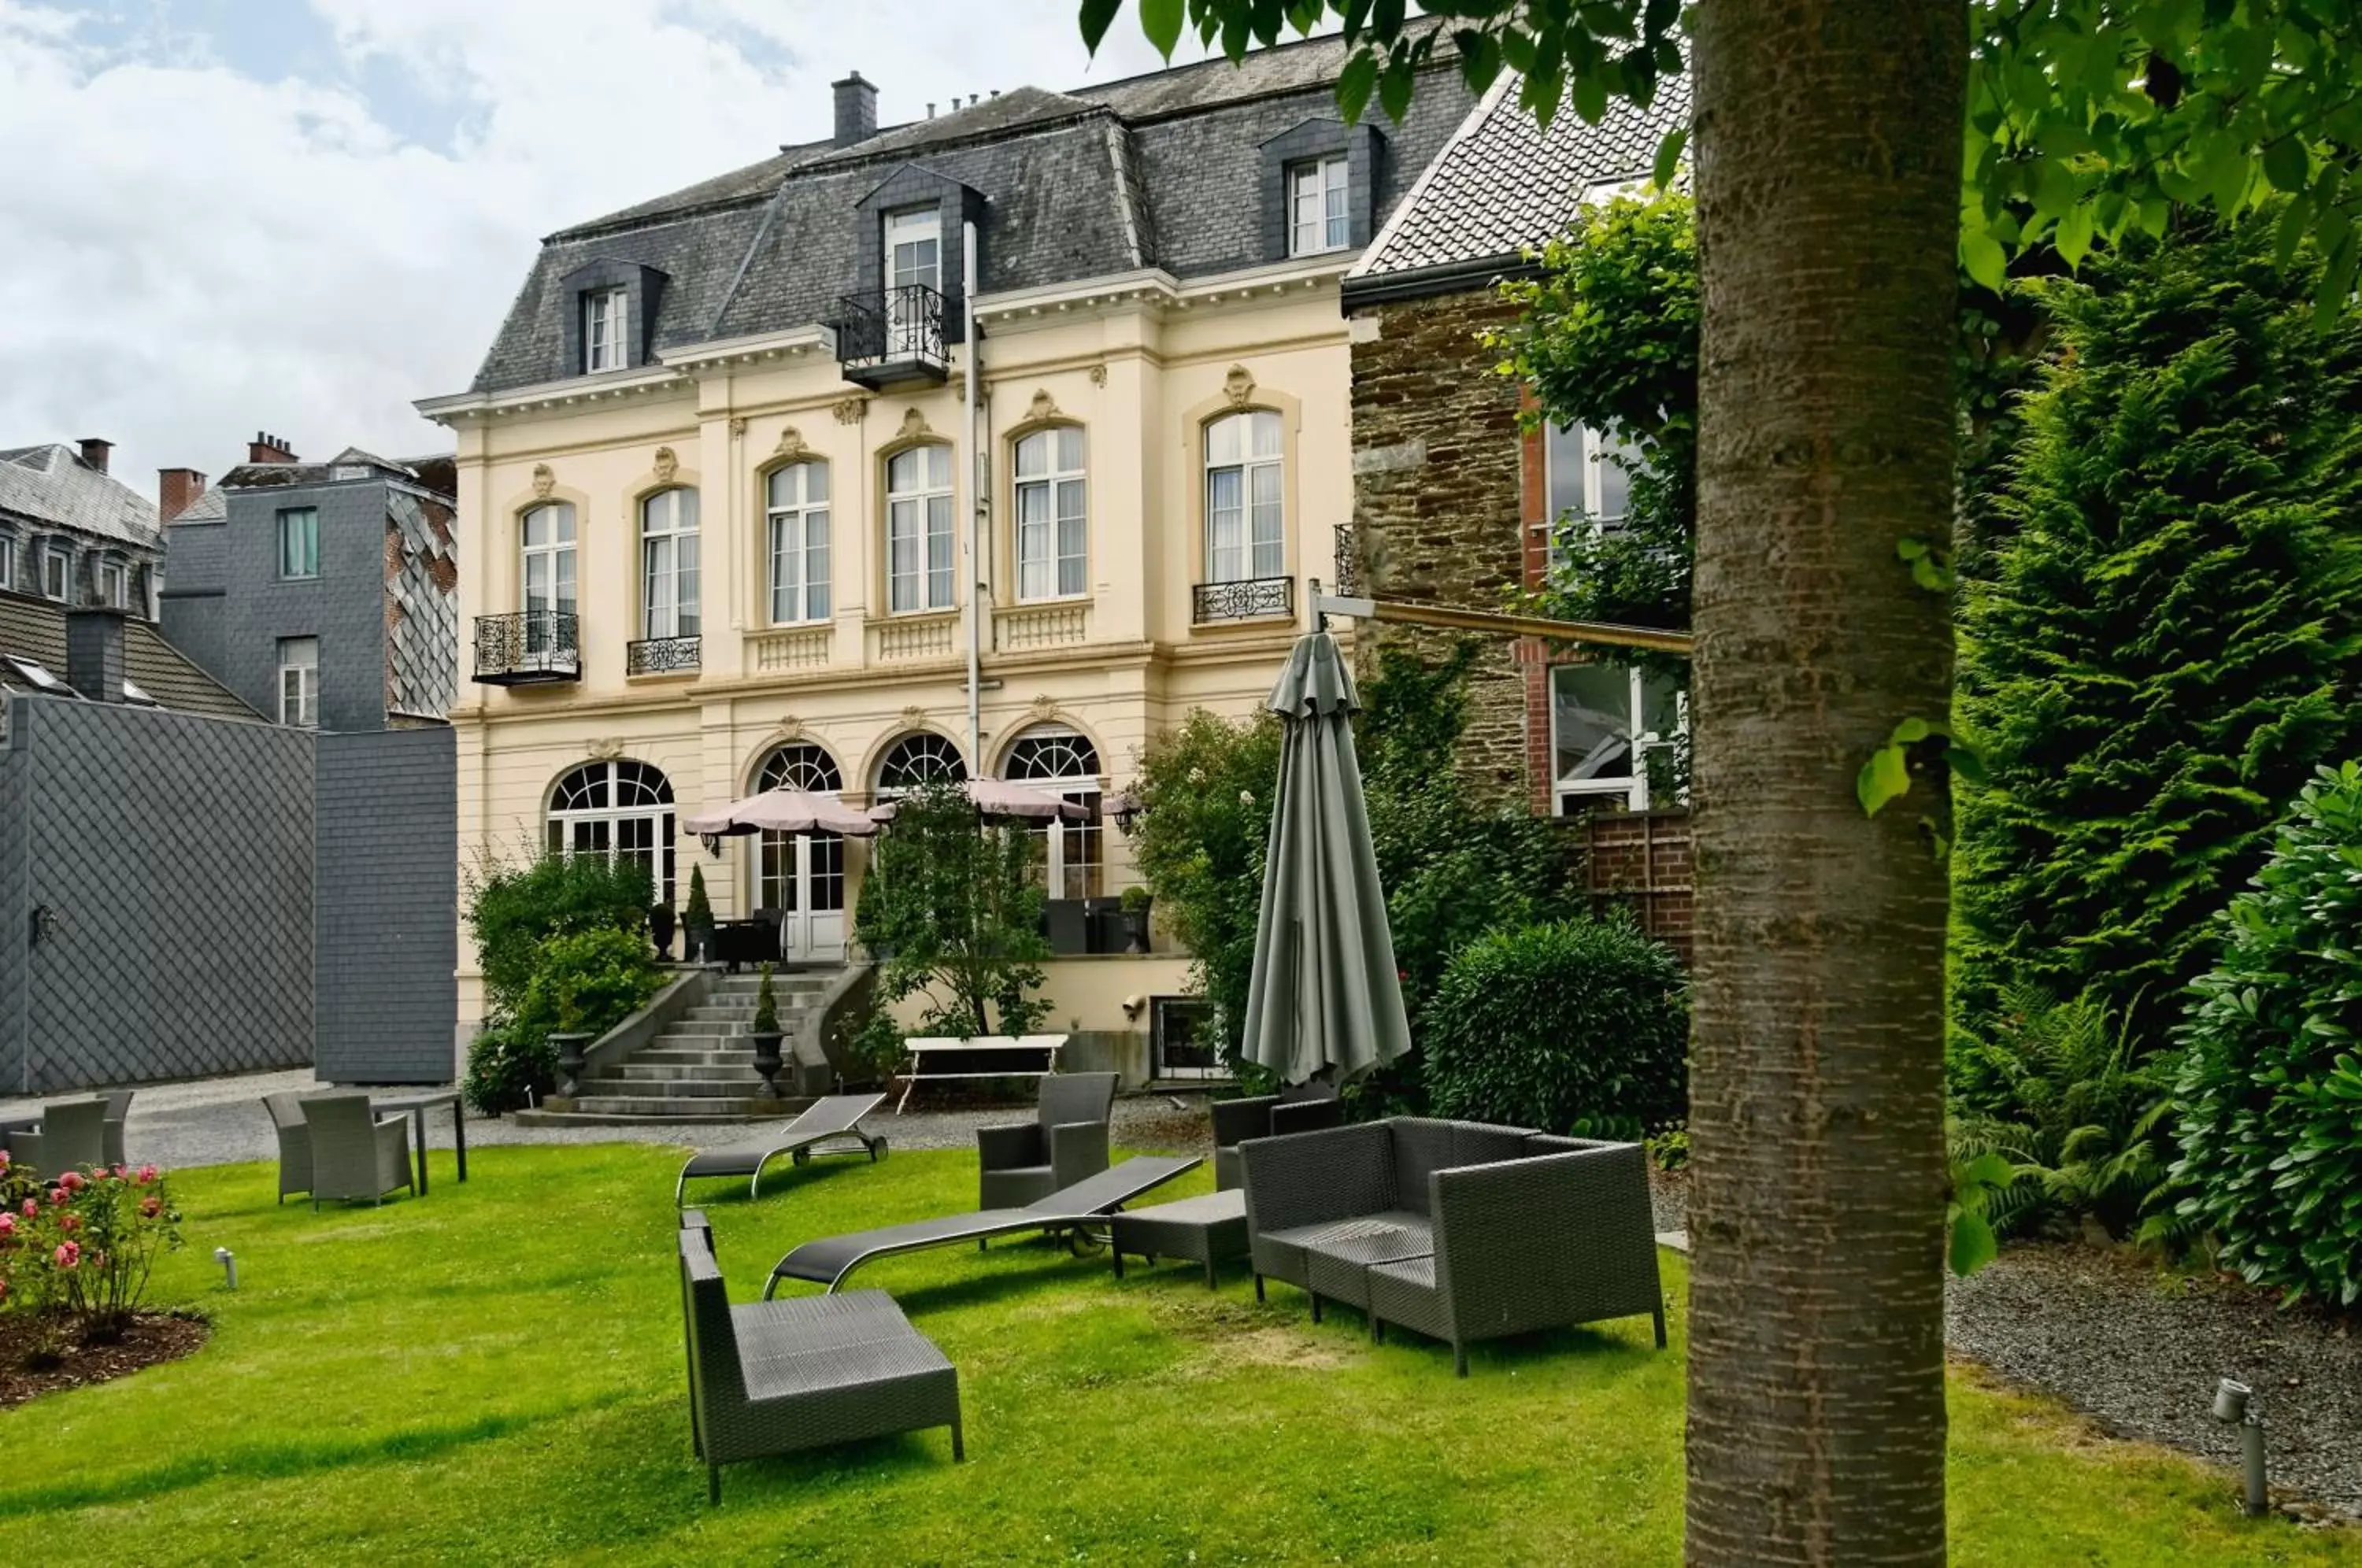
(668, 465)
(1239, 386)
(543, 481)
(791, 443)
(791, 729)
(914, 714)
(603, 750)
(1098, 374)
(915, 425)
(737, 424)
(849, 410)
(1044, 406)
(1045, 706)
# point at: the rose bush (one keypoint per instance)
(76, 1254)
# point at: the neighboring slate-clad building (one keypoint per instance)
(72, 534)
(717, 477)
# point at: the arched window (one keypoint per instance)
(1052, 527)
(668, 595)
(819, 882)
(621, 810)
(1244, 482)
(920, 757)
(796, 502)
(918, 529)
(1066, 764)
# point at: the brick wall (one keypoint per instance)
(385, 896)
(1439, 503)
(1642, 860)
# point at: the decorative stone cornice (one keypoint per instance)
(849, 410)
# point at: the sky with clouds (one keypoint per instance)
(223, 215)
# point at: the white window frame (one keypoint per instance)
(1256, 553)
(646, 820)
(299, 682)
(911, 248)
(1320, 212)
(556, 555)
(299, 542)
(1591, 449)
(796, 543)
(1062, 761)
(1051, 514)
(57, 572)
(920, 756)
(114, 585)
(606, 329)
(803, 873)
(7, 563)
(669, 598)
(922, 559)
(1633, 783)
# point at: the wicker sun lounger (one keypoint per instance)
(829, 1260)
(836, 1116)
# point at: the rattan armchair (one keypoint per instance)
(1066, 1142)
(1306, 1108)
(71, 1133)
(286, 1112)
(354, 1153)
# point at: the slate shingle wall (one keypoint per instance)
(385, 894)
(175, 853)
(344, 606)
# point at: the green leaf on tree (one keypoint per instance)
(1354, 85)
(1973, 1242)
(1161, 20)
(1097, 15)
(1668, 157)
(1982, 254)
(1886, 776)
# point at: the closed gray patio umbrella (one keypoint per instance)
(1324, 996)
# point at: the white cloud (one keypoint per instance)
(189, 251)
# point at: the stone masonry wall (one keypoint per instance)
(1438, 503)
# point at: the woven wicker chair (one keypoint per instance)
(118, 1112)
(354, 1153)
(295, 1143)
(1305, 1109)
(777, 1377)
(71, 1133)
(1066, 1142)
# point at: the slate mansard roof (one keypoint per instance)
(49, 484)
(1503, 184)
(34, 630)
(1164, 172)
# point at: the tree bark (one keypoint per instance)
(1828, 165)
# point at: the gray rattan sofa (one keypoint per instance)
(776, 1377)
(1457, 1229)
(1303, 1110)
(71, 1133)
(1066, 1142)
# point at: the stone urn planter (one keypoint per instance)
(767, 1060)
(569, 1048)
(1136, 902)
(662, 923)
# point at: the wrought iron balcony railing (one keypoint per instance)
(891, 337)
(1348, 562)
(661, 656)
(1254, 599)
(528, 648)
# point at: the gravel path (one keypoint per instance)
(221, 1121)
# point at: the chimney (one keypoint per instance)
(856, 111)
(95, 652)
(268, 449)
(176, 489)
(93, 452)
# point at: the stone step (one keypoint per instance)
(738, 1014)
(712, 1037)
(670, 1089)
(721, 1065)
(686, 1111)
(678, 1055)
(704, 1116)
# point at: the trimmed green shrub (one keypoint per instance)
(2161, 647)
(2269, 1097)
(1575, 1024)
(512, 910)
(953, 907)
(589, 981)
(508, 1069)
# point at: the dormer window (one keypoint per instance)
(605, 312)
(114, 585)
(54, 564)
(8, 562)
(1317, 217)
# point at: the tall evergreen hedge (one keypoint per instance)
(2165, 643)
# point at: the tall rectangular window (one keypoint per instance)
(1051, 522)
(1317, 218)
(7, 563)
(1244, 468)
(797, 511)
(1588, 474)
(114, 585)
(299, 542)
(605, 314)
(546, 577)
(1605, 720)
(668, 575)
(299, 681)
(919, 569)
(56, 566)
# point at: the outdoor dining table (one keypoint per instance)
(418, 1105)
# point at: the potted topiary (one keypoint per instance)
(661, 923)
(766, 1034)
(697, 919)
(1135, 919)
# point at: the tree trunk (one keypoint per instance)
(1829, 164)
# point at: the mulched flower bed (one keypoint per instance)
(153, 1338)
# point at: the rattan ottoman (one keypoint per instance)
(1337, 1268)
(1209, 1230)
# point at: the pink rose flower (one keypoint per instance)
(69, 1255)
(7, 1224)
(117, 1173)
(151, 1206)
(32, 1207)
(72, 1181)
(70, 1222)
(57, 1196)
(3, 1159)
(147, 1175)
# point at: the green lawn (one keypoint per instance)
(494, 1373)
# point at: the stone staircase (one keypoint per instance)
(701, 1068)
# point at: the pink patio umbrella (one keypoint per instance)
(782, 811)
(999, 797)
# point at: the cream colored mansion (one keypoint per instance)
(732, 515)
